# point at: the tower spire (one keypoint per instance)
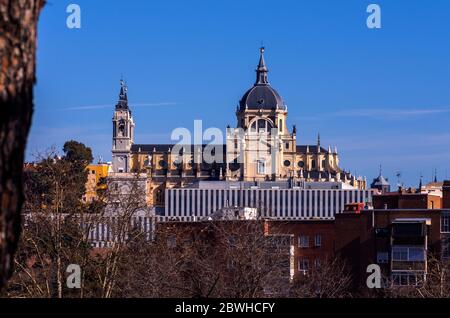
(261, 71)
(123, 96)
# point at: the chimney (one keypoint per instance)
(446, 195)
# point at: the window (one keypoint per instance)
(261, 167)
(318, 240)
(162, 164)
(382, 257)
(287, 146)
(382, 232)
(303, 265)
(406, 279)
(303, 241)
(408, 229)
(260, 126)
(93, 171)
(317, 263)
(408, 254)
(281, 125)
(445, 222)
(171, 241)
(287, 163)
(159, 197)
(313, 164)
(301, 164)
(416, 254)
(399, 254)
(232, 240)
(446, 248)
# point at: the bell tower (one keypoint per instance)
(123, 133)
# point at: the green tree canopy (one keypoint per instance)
(77, 152)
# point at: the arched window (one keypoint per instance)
(261, 167)
(159, 196)
(163, 164)
(261, 126)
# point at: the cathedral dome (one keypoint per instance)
(262, 95)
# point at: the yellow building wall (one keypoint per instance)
(96, 173)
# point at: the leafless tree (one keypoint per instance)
(329, 279)
(207, 259)
(54, 235)
(59, 228)
(124, 198)
(258, 264)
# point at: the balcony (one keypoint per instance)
(409, 232)
(408, 258)
(404, 279)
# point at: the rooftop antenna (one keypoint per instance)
(398, 174)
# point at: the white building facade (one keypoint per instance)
(273, 201)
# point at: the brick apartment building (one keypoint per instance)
(233, 247)
(406, 199)
(399, 234)
(369, 236)
(313, 241)
(399, 240)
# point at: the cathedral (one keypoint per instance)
(260, 148)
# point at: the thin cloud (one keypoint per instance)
(91, 107)
(377, 113)
(390, 141)
(390, 112)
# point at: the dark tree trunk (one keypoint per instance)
(18, 23)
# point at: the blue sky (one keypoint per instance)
(381, 96)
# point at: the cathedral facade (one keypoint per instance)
(261, 148)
